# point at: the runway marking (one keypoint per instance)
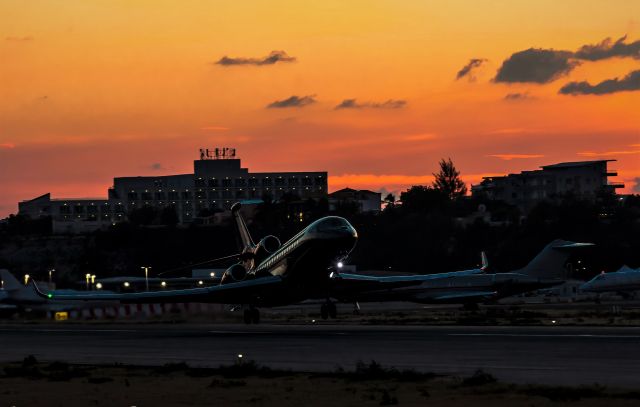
(69, 330)
(552, 335)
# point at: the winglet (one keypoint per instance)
(485, 261)
(46, 296)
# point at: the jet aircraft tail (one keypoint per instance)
(9, 282)
(485, 261)
(550, 262)
(245, 236)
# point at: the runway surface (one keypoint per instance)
(550, 355)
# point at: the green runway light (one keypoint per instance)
(49, 295)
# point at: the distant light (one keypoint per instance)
(313, 321)
(26, 279)
(49, 295)
(553, 321)
(126, 284)
(239, 355)
(99, 286)
(213, 275)
(200, 282)
(340, 264)
(163, 284)
(331, 274)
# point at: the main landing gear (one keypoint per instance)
(328, 310)
(251, 315)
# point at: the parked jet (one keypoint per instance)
(15, 297)
(545, 270)
(624, 281)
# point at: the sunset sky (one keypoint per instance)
(374, 92)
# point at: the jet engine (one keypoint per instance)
(269, 244)
(233, 274)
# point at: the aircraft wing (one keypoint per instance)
(465, 295)
(347, 277)
(232, 293)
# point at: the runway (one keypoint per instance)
(549, 355)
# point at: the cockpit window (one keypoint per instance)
(329, 224)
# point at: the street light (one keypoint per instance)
(26, 279)
(93, 279)
(88, 278)
(146, 276)
(51, 275)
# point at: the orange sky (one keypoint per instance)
(90, 90)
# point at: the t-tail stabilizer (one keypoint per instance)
(245, 236)
(550, 262)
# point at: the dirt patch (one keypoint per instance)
(248, 384)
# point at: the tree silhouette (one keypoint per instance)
(448, 180)
(389, 201)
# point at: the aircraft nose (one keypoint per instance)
(335, 226)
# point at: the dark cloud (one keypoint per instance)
(518, 96)
(536, 65)
(466, 70)
(293, 101)
(19, 39)
(272, 58)
(608, 49)
(156, 167)
(636, 188)
(388, 104)
(628, 83)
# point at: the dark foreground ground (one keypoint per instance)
(550, 355)
(33, 383)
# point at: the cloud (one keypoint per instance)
(608, 49)
(156, 167)
(293, 101)
(536, 65)
(608, 153)
(466, 70)
(271, 59)
(518, 96)
(19, 39)
(7, 146)
(514, 130)
(636, 187)
(630, 82)
(509, 157)
(388, 104)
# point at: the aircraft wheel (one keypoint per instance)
(255, 315)
(247, 317)
(324, 311)
(333, 312)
